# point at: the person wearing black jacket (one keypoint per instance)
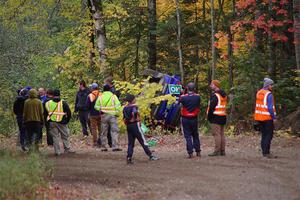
(58, 115)
(18, 111)
(82, 108)
(49, 96)
(216, 115)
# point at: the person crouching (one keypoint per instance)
(132, 120)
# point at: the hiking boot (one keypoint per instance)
(24, 148)
(270, 156)
(129, 161)
(223, 153)
(104, 149)
(117, 149)
(198, 154)
(69, 151)
(215, 153)
(57, 154)
(153, 158)
(190, 156)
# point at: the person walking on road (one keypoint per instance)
(265, 114)
(110, 106)
(58, 116)
(81, 107)
(189, 120)
(132, 121)
(216, 115)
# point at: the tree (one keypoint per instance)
(296, 16)
(152, 34)
(213, 48)
(179, 41)
(97, 12)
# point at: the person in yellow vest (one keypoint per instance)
(216, 115)
(94, 115)
(264, 114)
(110, 106)
(59, 115)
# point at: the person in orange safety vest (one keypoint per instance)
(264, 115)
(216, 115)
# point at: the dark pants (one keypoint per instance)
(22, 131)
(32, 131)
(191, 135)
(134, 132)
(40, 135)
(49, 136)
(267, 130)
(84, 120)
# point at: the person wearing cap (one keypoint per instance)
(216, 115)
(18, 108)
(265, 114)
(33, 119)
(81, 107)
(131, 119)
(94, 115)
(110, 106)
(189, 119)
(58, 116)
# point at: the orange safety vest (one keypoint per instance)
(94, 95)
(220, 108)
(261, 109)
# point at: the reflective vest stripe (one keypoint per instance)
(55, 110)
(261, 109)
(220, 108)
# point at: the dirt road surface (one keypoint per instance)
(243, 174)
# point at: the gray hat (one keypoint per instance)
(94, 86)
(267, 82)
(191, 86)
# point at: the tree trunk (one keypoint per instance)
(99, 27)
(272, 67)
(213, 51)
(296, 11)
(92, 37)
(230, 64)
(197, 49)
(179, 41)
(137, 45)
(152, 34)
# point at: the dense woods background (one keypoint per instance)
(55, 43)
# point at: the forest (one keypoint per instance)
(55, 43)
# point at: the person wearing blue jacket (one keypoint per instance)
(189, 120)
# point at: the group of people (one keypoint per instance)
(99, 111)
(264, 117)
(37, 108)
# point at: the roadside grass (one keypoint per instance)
(22, 175)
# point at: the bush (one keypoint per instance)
(21, 176)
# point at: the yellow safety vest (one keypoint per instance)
(55, 110)
(108, 103)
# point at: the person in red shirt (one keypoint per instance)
(189, 119)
